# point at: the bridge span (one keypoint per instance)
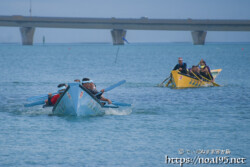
(119, 26)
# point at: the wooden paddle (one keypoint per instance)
(215, 84)
(168, 82)
(161, 84)
(112, 87)
(118, 103)
(196, 76)
(40, 97)
(34, 103)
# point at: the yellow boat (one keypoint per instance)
(180, 80)
(216, 72)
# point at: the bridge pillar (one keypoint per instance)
(27, 34)
(117, 36)
(199, 37)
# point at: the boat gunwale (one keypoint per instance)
(191, 77)
(215, 70)
(84, 89)
(93, 96)
(58, 101)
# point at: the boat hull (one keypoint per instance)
(179, 80)
(78, 101)
(184, 81)
(216, 72)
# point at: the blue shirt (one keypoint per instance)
(183, 66)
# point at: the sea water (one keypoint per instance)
(178, 123)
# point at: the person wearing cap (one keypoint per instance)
(182, 67)
(89, 84)
(53, 99)
(205, 70)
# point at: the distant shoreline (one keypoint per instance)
(109, 43)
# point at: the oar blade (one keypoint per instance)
(215, 84)
(162, 83)
(115, 85)
(118, 103)
(39, 97)
(34, 104)
(168, 83)
(121, 104)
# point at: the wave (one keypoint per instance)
(118, 111)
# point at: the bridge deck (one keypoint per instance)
(126, 23)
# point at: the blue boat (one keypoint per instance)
(77, 100)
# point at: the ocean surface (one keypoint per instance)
(177, 123)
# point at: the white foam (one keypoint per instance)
(118, 111)
(207, 85)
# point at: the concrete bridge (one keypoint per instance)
(118, 27)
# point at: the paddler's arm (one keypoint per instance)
(105, 99)
(210, 74)
(176, 67)
(185, 67)
(48, 101)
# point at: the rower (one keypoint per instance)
(89, 84)
(182, 67)
(195, 72)
(205, 70)
(53, 99)
(77, 80)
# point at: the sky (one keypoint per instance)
(164, 9)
